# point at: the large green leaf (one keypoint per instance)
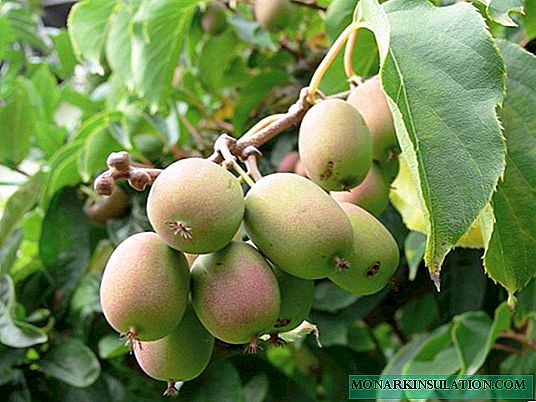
(64, 242)
(72, 362)
(17, 120)
(88, 24)
(499, 10)
(511, 251)
(444, 78)
(22, 201)
(474, 334)
(15, 333)
(158, 28)
(118, 42)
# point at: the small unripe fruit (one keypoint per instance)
(298, 226)
(273, 14)
(296, 301)
(299, 169)
(196, 206)
(107, 207)
(369, 99)
(180, 356)
(214, 20)
(288, 162)
(376, 254)
(234, 293)
(335, 145)
(372, 194)
(144, 288)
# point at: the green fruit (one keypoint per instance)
(297, 226)
(150, 145)
(376, 254)
(296, 301)
(273, 14)
(390, 169)
(372, 194)
(369, 99)
(107, 207)
(196, 206)
(335, 145)
(234, 293)
(144, 288)
(214, 19)
(179, 356)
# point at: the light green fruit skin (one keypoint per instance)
(373, 244)
(235, 293)
(145, 287)
(369, 99)
(273, 14)
(335, 145)
(203, 196)
(296, 301)
(180, 356)
(297, 225)
(214, 20)
(372, 194)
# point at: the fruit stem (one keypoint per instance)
(309, 3)
(171, 390)
(262, 124)
(348, 53)
(328, 59)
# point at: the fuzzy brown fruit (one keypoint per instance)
(369, 99)
(234, 293)
(180, 356)
(106, 207)
(214, 20)
(298, 226)
(273, 14)
(335, 145)
(372, 194)
(196, 206)
(376, 254)
(144, 287)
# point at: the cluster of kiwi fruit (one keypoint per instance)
(195, 279)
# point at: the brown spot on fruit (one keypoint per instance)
(328, 172)
(373, 269)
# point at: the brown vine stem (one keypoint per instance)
(519, 338)
(328, 59)
(309, 3)
(506, 348)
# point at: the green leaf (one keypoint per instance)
(418, 314)
(339, 15)
(63, 170)
(17, 120)
(331, 298)
(216, 55)
(445, 119)
(436, 355)
(220, 382)
(414, 247)
(499, 10)
(118, 42)
(259, 87)
(112, 346)
(64, 242)
(15, 333)
(511, 251)
(45, 85)
(526, 303)
(474, 334)
(529, 20)
(72, 362)
(22, 201)
(23, 25)
(88, 24)
(158, 28)
(65, 52)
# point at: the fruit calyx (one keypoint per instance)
(341, 263)
(131, 339)
(179, 228)
(171, 390)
